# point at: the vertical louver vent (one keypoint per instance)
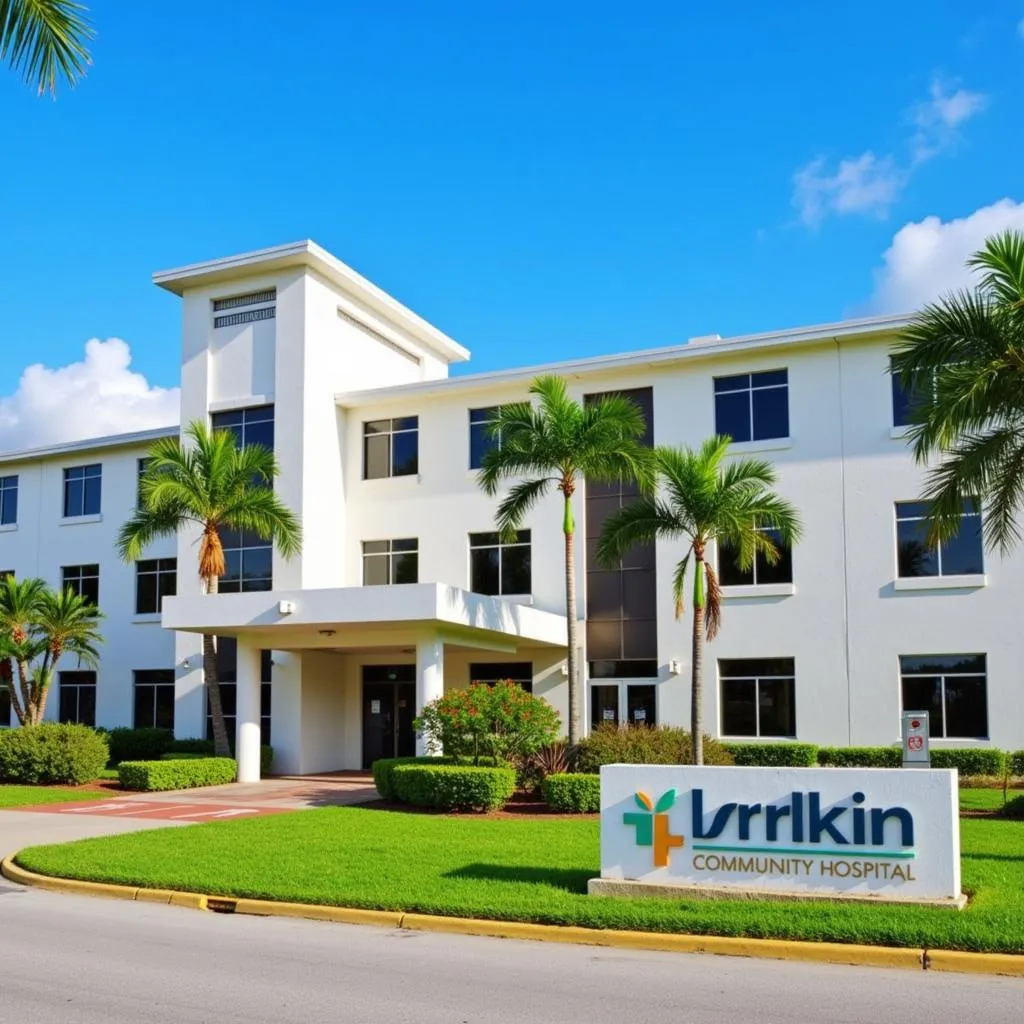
(250, 307)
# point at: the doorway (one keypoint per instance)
(389, 707)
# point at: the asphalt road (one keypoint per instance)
(80, 960)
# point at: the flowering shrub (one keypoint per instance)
(501, 721)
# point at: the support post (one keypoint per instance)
(247, 735)
(429, 681)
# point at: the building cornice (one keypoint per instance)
(129, 440)
(696, 348)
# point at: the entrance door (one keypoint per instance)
(389, 707)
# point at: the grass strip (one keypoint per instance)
(32, 796)
(519, 870)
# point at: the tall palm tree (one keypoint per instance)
(38, 626)
(704, 499)
(44, 40)
(211, 483)
(962, 359)
(559, 442)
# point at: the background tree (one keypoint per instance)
(702, 499)
(38, 626)
(962, 361)
(45, 40)
(558, 443)
(215, 485)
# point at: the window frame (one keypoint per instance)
(784, 549)
(9, 485)
(751, 387)
(491, 442)
(83, 475)
(79, 578)
(942, 675)
(389, 557)
(391, 433)
(938, 549)
(77, 686)
(166, 682)
(756, 678)
(501, 546)
(160, 572)
(485, 673)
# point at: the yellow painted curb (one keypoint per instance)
(975, 963)
(773, 949)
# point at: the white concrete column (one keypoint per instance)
(429, 681)
(247, 735)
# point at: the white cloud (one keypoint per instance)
(863, 184)
(870, 184)
(926, 259)
(97, 396)
(938, 119)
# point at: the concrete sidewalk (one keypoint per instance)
(19, 829)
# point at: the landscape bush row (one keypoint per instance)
(176, 772)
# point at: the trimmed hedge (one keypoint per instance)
(860, 757)
(384, 772)
(450, 787)
(155, 776)
(205, 748)
(640, 744)
(1016, 763)
(138, 744)
(773, 755)
(49, 754)
(971, 762)
(573, 793)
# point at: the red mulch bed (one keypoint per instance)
(522, 805)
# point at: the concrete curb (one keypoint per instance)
(1006, 964)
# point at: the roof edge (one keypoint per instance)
(88, 444)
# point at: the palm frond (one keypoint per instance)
(259, 510)
(1002, 260)
(712, 603)
(45, 40)
(641, 522)
(515, 506)
(679, 584)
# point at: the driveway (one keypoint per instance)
(132, 812)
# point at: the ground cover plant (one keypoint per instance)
(520, 869)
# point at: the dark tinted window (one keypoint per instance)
(491, 672)
(752, 406)
(391, 447)
(155, 579)
(154, 699)
(84, 580)
(8, 504)
(761, 572)
(481, 436)
(390, 561)
(961, 555)
(77, 697)
(500, 568)
(758, 696)
(952, 688)
(82, 490)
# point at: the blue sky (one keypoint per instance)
(540, 180)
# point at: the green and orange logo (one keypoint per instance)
(651, 824)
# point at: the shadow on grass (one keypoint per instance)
(569, 879)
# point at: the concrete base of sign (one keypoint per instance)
(628, 887)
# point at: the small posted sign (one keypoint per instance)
(915, 740)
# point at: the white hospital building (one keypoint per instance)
(403, 590)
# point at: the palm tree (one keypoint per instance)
(44, 40)
(215, 485)
(558, 442)
(962, 359)
(702, 501)
(38, 626)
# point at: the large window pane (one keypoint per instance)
(406, 453)
(777, 707)
(484, 572)
(641, 705)
(962, 553)
(406, 567)
(924, 693)
(376, 456)
(604, 705)
(375, 570)
(515, 570)
(771, 413)
(914, 556)
(732, 415)
(739, 707)
(966, 708)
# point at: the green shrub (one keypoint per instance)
(155, 776)
(642, 744)
(971, 762)
(572, 793)
(138, 744)
(182, 757)
(384, 772)
(503, 721)
(52, 754)
(860, 757)
(773, 755)
(205, 748)
(1016, 763)
(1013, 809)
(450, 787)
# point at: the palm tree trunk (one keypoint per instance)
(26, 694)
(570, 615)
(697, 667)
(221, 744)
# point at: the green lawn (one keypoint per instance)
(523, 870)
(984, 799)
(29, 796)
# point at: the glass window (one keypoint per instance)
(907, 401)
(390, 561)
(961, 555)
(84, 580)
(752, 406)
(482, 437)
(154, 698)
(77, 697)
(761, 572)
(155, 579)
(952, 688)
(604, 705)
(500, 568)
(758, 696)
(82, 487)
(250, 426)
(5, 706)
(8, 500)
(491, 672)
(642, 705)
(638, 668)
(391, 447)
(227, 674)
